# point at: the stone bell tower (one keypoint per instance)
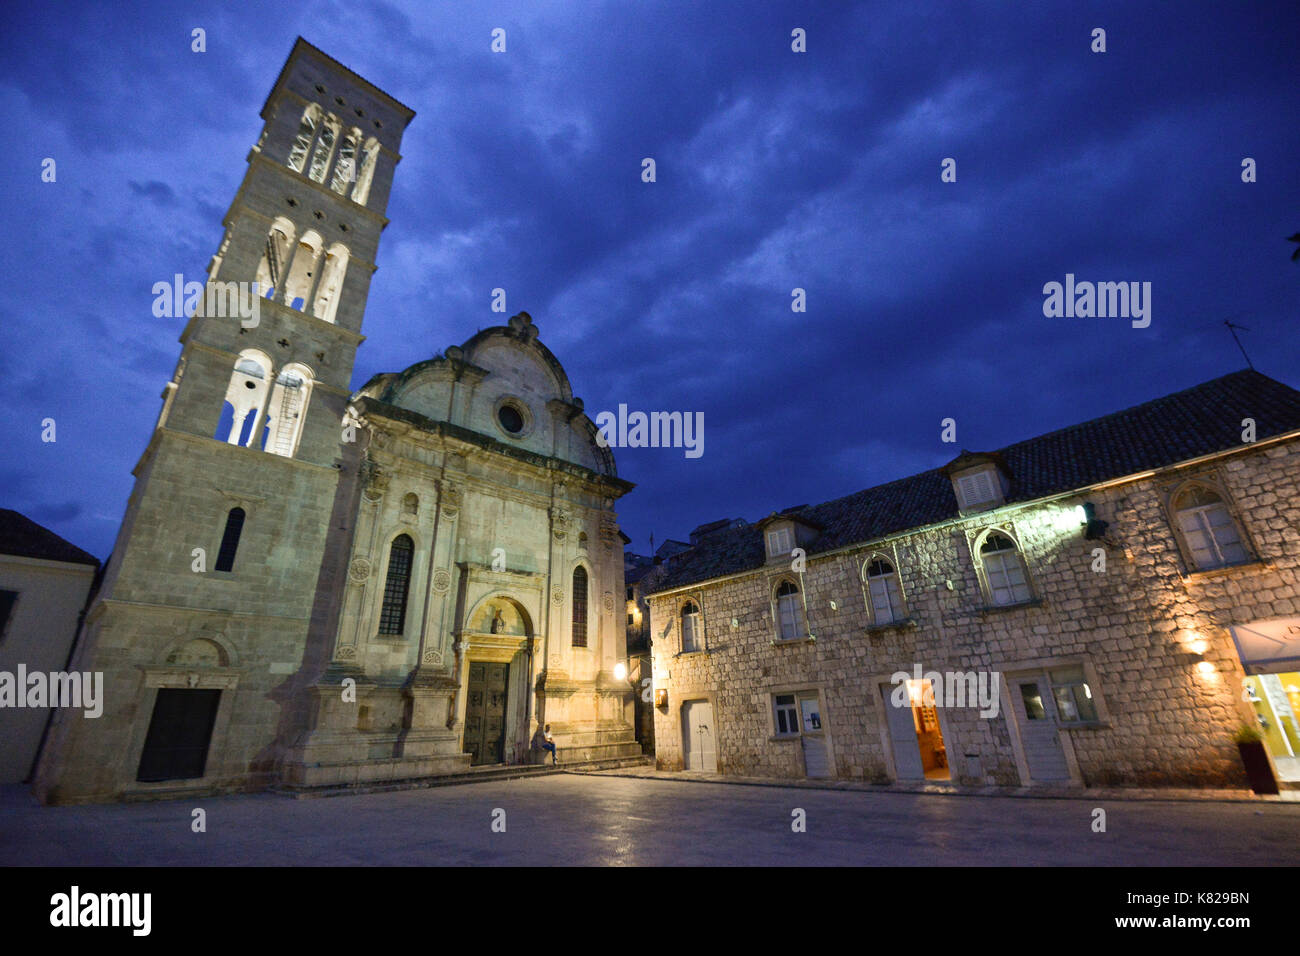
(206, 602)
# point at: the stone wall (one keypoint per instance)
(1151, 637)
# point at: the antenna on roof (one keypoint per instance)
(1233, 329)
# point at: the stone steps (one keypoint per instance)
(474, 775)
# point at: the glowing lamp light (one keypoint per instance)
(620, 671)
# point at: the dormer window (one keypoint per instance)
(979, 489)
(980, 481)
(780, 542)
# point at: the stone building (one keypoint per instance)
(44, 584)
(312, 587)
(1102, 605)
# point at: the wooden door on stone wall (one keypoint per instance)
(176, 745)
(485, 712)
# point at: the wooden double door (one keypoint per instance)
(485, 712)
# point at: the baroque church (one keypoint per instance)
(317, 588)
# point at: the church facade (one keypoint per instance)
(313, 587)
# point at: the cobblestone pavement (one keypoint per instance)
(621, 820)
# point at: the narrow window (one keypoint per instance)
(1005, 571)
(331, 282)
(306, 133)
(788, 608)
(361, 192)
(579, 607)
(345, 170)
(786, 715)
(7, 601)
(320, 159)
(286, 411)
(392, 618)
(690, 627)
(886, 595)
(230, 540)
(1208, 530)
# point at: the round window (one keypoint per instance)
(511, 419)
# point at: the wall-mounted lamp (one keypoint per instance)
(661, 696)
(1094, 527)
(620, 671)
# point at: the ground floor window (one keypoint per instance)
(787, 719)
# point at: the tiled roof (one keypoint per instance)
(22, 537)
(1198, 421)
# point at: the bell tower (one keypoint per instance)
(301, 236)
(207, 601)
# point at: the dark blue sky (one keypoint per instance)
(776, 170)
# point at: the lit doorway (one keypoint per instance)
(914, 732)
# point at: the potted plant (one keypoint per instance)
(1250, 744)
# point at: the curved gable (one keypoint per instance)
(503, 383)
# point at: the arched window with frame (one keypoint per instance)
(230, 540)
(397, 585)
(369, 156)
(580, 606)
(270, 270)
(287, 410)
(691, 634)
(789, 611)
(345, 169)
(330, 286)
(306, 134)
(306, 259)
(1005, 572)
(320, 157)
(245, 398)
(884, 591)
(1208, 531)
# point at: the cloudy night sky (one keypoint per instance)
(776, 170)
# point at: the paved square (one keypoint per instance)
(570, 819)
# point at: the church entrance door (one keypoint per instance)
(485, 712)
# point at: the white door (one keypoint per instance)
(1040, 730)
(699, 738)
(815, 761)
(902, 735)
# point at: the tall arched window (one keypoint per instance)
(306, 133)
(361, 192)
(885, 592)
(392, 618)
(245, 398)
(326, 303)
(287, 410)
(1004, 571)
(320, 157)
(230, 540)
(579, 607)
(302, 271)
(690, 627)
(275, 257)
(1208, 530)
(345, 170)
(789, 611)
